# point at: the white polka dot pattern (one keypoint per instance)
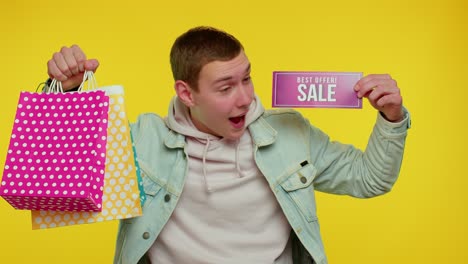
(56, 155)
(121, 194)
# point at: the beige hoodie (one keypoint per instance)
(227, 213)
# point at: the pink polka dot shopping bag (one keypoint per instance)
(122, 191)
(57, 151)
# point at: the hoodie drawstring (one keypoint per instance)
(205, 151)
(237, 159)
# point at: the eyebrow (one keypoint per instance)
(227, 78)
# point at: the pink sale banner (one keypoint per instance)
(315, 89)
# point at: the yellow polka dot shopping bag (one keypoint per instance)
(57, 151)
(122, 191)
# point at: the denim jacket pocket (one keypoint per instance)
(300, 189)
(150, 188)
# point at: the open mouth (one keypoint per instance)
(237, 121)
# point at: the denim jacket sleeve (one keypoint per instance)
(344, 169)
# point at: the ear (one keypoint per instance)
(184, 92)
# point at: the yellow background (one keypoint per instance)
(421, 44)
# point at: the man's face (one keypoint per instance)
(225, 91)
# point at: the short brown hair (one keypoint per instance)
(198, 47)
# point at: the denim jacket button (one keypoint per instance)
(146, 235)
(167, 198)
(303, 179)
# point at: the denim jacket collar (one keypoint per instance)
(262, 133)
(174, 140)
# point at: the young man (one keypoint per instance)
(227, 181)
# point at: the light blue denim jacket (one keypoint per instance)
(296, 159)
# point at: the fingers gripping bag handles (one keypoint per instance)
(121, 197)
(57, 149)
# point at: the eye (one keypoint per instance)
(247, 79)
(225, 89)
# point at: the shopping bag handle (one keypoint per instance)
(56, 86)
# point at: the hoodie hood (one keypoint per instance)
(179, 120)
(206, 147)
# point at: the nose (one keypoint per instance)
(245, 96)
